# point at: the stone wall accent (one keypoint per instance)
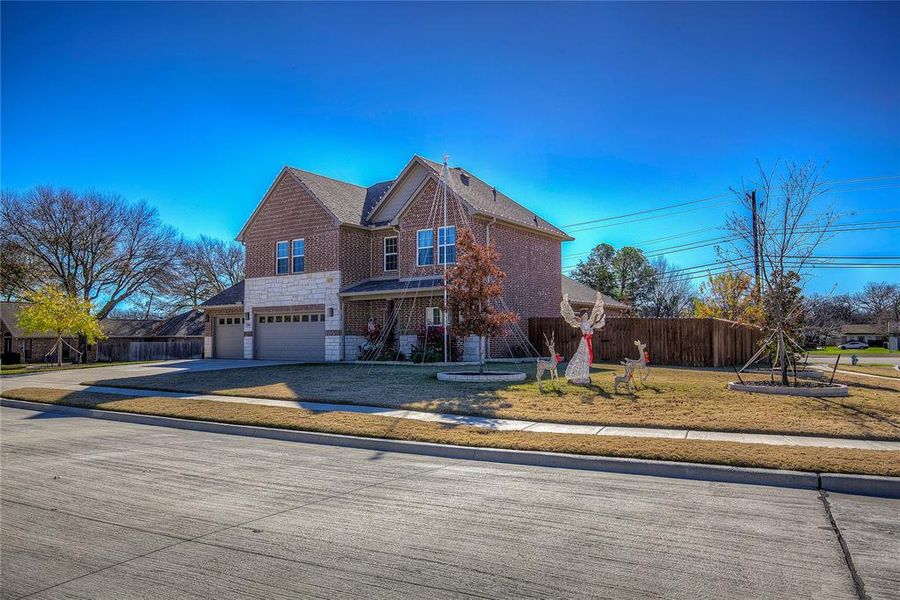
(318, 290)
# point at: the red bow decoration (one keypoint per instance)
(559, 358)
(646, 357)
(587, 338)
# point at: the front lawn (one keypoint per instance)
(834, 351)
(833, 460)
(45, 367)
(883, 370)
(675, 397)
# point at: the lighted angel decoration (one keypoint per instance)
(579, 369)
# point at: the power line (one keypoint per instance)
(725, 195)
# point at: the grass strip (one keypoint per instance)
(834, 460)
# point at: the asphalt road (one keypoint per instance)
(98, 509)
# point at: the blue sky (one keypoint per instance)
(579, 111)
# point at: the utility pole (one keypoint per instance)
(751, 196)
(445, 179)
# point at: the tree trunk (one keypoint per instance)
(480, 354)
(782, 350)
(59, 347)
(82, 348)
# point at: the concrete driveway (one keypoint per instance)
(76, 376)
(97, 509)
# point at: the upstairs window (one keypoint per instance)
(281, 258)
(390, 253)
(297, 256)
(447, 245)
(425, 247)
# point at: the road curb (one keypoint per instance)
(849, 484)
(864, 485)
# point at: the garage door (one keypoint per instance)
(228, 341)
(298, 337)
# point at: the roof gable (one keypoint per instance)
(482, 198)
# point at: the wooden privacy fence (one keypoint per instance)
(685, 342)
(127, 350)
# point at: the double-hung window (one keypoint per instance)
(281, 258)
(433, 316)
(425, 247)
(297, 256)
(390, 253)
(447, 245)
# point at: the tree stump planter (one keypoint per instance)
(806, 389)
(476, 377)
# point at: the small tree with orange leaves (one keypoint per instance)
(473, 286)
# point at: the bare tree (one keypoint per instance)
(668, 294)
(20, 273)
(879, 301)
(205, 267)
(95, 246)
(781, 242)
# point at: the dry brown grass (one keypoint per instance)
(675, 398)
(835, 460)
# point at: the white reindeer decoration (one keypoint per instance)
(640, 364)
(548, 365)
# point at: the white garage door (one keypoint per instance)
(298, 337)
(228, 341)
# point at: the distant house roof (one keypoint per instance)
(115, 328)
(869, 328)
(232, 295)
(375, 286)
(9, 315)
(580, 293)
(187, 324)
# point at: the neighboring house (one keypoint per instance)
(882, 335)
(324, 256)
(40, 348)
(31, 348)
(582, 297)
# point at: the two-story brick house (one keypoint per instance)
(324, 256)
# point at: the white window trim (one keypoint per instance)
(445, 245)
(396, 252)
(429, 316)
(291, 252)
(418, 247)
(288, 256)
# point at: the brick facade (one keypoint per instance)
(346, 254)
(289, 213)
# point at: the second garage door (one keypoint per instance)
(229, 337)
(298, 337)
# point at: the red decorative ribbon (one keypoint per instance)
(587, 337)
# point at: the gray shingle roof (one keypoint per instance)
(233, 295)
(583, 294)
(114, 327)
(348, 202)
(372, 286)
(352, 203)
(186, 324)
(488, 200)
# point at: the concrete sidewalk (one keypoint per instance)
(503, 424)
